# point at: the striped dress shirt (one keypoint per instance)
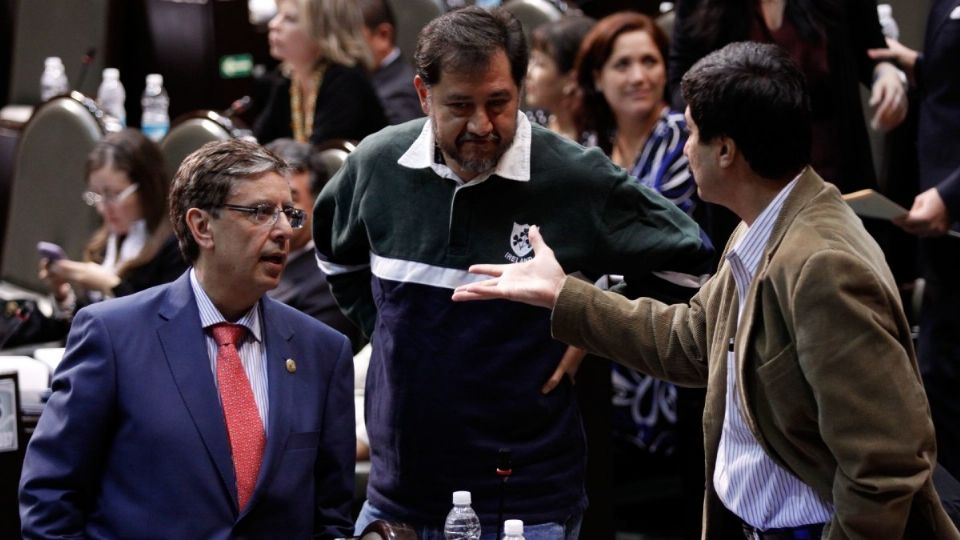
(252, 351)
(746, 479)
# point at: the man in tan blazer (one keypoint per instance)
(816, 423)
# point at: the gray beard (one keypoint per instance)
(476, 166)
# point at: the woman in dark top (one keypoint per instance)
(829, 40)
(135, 247)
(321, 90)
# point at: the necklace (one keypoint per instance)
(303, 106)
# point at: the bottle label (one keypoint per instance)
(155, 132)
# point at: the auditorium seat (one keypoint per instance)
(333, 153)
(532, 13)
(411, 16)
(48, 180)
(190, 132)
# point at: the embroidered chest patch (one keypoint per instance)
(519, 243)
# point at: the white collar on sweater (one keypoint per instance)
(513, 165)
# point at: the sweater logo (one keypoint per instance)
(519, 243)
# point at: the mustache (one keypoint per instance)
(470, 137)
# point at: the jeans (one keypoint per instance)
(569, 530)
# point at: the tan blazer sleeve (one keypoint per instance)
(668, 342)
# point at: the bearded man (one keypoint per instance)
(415, 205)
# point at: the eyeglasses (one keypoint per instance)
(92, 198)
(267, 214)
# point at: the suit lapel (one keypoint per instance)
(280, 383)
(808, 185)
(185, 350)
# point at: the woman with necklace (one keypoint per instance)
(321, 90)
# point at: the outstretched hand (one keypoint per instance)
(536, 282)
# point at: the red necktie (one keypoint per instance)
(244, 427)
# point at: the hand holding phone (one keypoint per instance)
(50, 251)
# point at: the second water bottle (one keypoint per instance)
(155, 120)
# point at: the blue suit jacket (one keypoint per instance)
(939, 119)
(132, 443)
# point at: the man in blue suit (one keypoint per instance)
(201, 408)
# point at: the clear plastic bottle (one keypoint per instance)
(112, 97)
(462, 522)
(155, 121)
(887, 23)
(53, 82)
(513, 529)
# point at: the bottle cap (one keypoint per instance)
(53, 61)
(154, 79)
(461, 497)
(111, 74)
(513, 526)
(884, 10)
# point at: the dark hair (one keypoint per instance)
(205, 177)
(377, 12)
(594, 113)
(560, 39)
(140, 159)
(301, 158)
(755, 94)
(465, 39)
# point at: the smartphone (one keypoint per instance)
(51, 251)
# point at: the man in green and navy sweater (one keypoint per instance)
(396, 229)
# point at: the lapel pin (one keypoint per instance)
(291, 365)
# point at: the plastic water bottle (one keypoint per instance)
(462, 522)
(513, 529)
(487, 4)
(112, 97)
(53, 82)
(887, 23)
(155, 121)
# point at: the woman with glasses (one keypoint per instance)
(135, 248)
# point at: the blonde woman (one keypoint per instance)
(321, 90)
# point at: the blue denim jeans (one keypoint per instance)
(569, 530)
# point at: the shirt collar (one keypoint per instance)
(210, 315)
(752, 244)
(390, 57)
(513, 165)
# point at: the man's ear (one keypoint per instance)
(423, 92)
(198, 221)
(727, 152)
